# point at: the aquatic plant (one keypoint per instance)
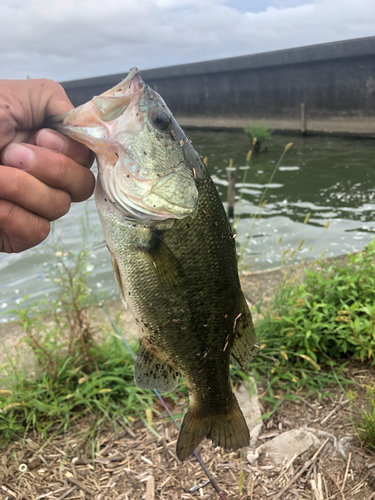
(260, 134)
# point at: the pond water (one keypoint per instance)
(332, 179)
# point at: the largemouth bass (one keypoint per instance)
(173, 255)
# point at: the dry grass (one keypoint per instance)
(137, 464)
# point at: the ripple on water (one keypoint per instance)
(330, 178)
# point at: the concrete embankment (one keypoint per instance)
(325, 88)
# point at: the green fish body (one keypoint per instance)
(173, 255)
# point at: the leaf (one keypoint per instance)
(149, 416)
(310, 360)
(240, 482)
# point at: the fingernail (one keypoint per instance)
(17, 155)
(51, 140)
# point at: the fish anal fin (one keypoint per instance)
(245, 342)
(227, 429)
(167, 267)
(151, 372)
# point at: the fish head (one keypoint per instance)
(141, 151)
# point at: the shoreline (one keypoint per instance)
(259, 288)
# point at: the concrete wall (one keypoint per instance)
(321, 88)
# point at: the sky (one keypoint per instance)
(71, 39)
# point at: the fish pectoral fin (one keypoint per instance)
(166, 266)
(118, 279)
(227, 429)
(150, 372)
(244, 345)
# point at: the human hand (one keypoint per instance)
(41, 171)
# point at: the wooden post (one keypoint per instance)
(231, 174)
(303, 118)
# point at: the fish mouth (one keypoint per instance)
(90, 123)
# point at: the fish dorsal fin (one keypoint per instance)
(150, 372)
(244, 345)
(167, 267)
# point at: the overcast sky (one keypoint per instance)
(71, 39)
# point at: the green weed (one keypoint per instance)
(104, 390)
(312, 327)
(78, 371)
(330, 315)
(260, 134)
(363, 416)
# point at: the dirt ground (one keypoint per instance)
(139, 463)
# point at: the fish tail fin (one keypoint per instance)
(227, 429)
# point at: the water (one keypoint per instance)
(330, 178)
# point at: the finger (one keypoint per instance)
(78, 152)
(52, 168)
(51, 97)
(27, 191)
(25, 105)
(20, 229)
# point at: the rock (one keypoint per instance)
(341, 447)
(250, 409)
(252, 456)
(290, 443)
(345, 445)
(254, 434)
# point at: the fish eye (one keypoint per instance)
(160, 119)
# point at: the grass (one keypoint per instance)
(78, 373)
(316, 323)
(104, 390)
(330, 315)
(363, 416)
(262, 202)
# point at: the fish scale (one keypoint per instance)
(174, 257)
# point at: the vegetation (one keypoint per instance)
(258, 135)
(78, 373)
(330, 315)
(81, 374)
(261, 204)
(363, 416)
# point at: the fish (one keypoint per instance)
(173, 255)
